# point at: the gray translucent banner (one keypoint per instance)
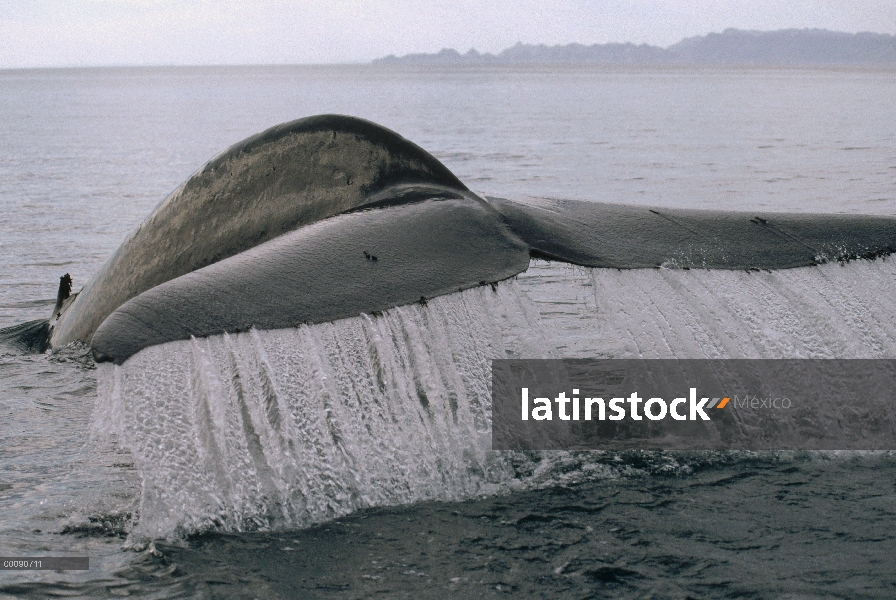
(794, 404)
(44, 563)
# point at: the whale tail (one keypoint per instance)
(330, 217)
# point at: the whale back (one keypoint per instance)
(291, 175)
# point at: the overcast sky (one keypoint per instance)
(41, 33)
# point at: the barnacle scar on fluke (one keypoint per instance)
(283, 246)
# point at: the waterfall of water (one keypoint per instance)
(290, 427)
(295, 426)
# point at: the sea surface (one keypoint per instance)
(115, 463)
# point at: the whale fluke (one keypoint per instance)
(596, 234)
(331, 216)
(271, 183)
(318, 273)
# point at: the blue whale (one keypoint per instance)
(332, 216)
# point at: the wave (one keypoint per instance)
(31, 336)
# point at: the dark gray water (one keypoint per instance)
(86, 154)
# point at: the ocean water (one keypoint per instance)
(302, 463)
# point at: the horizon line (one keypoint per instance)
(380, 60)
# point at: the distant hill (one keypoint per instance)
(731, 47)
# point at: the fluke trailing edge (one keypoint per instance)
(331, 216)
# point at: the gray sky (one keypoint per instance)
(41, 33)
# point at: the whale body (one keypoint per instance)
(331, 216)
